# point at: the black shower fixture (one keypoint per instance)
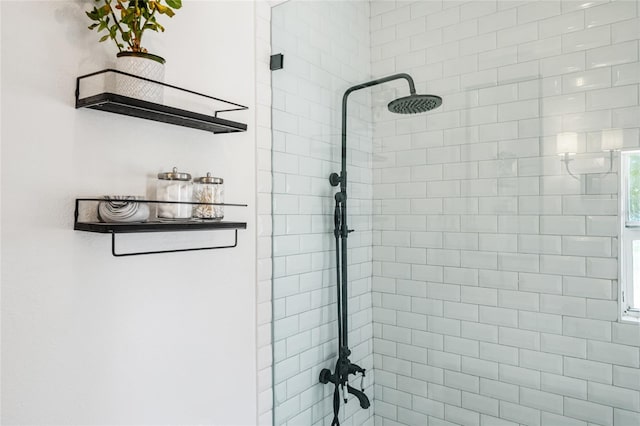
(411, 104)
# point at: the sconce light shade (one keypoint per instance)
(612, 139)
(567, 143)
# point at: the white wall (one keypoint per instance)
(92, 339)
(326, 50)
(264, 220)
(494, 270)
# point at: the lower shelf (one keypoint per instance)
(157, 226)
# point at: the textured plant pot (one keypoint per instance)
(143, 65)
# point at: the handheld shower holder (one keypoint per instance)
(334, 179)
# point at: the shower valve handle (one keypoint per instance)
(347, 233)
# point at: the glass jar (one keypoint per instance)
(208, 189)
(174, 186)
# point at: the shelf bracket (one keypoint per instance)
(116, 254)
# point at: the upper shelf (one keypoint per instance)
(120, 104)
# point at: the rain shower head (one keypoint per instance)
(414, 104)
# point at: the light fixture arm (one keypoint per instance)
(567, 159)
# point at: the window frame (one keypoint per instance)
(629, 231)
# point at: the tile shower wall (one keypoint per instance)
(494, 287)
(326, 49)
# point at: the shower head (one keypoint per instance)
(414, 104)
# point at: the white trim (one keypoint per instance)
(628, 232)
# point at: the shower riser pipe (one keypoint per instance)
(341, 200)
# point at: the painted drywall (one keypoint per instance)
(88, 338)
(495, 270)
(326, 50)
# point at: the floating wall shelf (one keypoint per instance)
(156, 226)
(120, 104)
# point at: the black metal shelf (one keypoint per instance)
(177, 225)
(157, 226)
(120, 104)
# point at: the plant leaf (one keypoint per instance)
(93, 15)
(164, 10)
(128, 18)
(104, 10)
(104, 37)
(176, 4)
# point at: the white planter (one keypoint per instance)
(143, 65)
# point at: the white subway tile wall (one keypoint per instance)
(494, 271)
(326, 49)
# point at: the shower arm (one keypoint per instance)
(342, 179)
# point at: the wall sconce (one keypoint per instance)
(567, 147)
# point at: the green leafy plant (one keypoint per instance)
(126, 21)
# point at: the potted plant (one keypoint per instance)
(125, 22)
